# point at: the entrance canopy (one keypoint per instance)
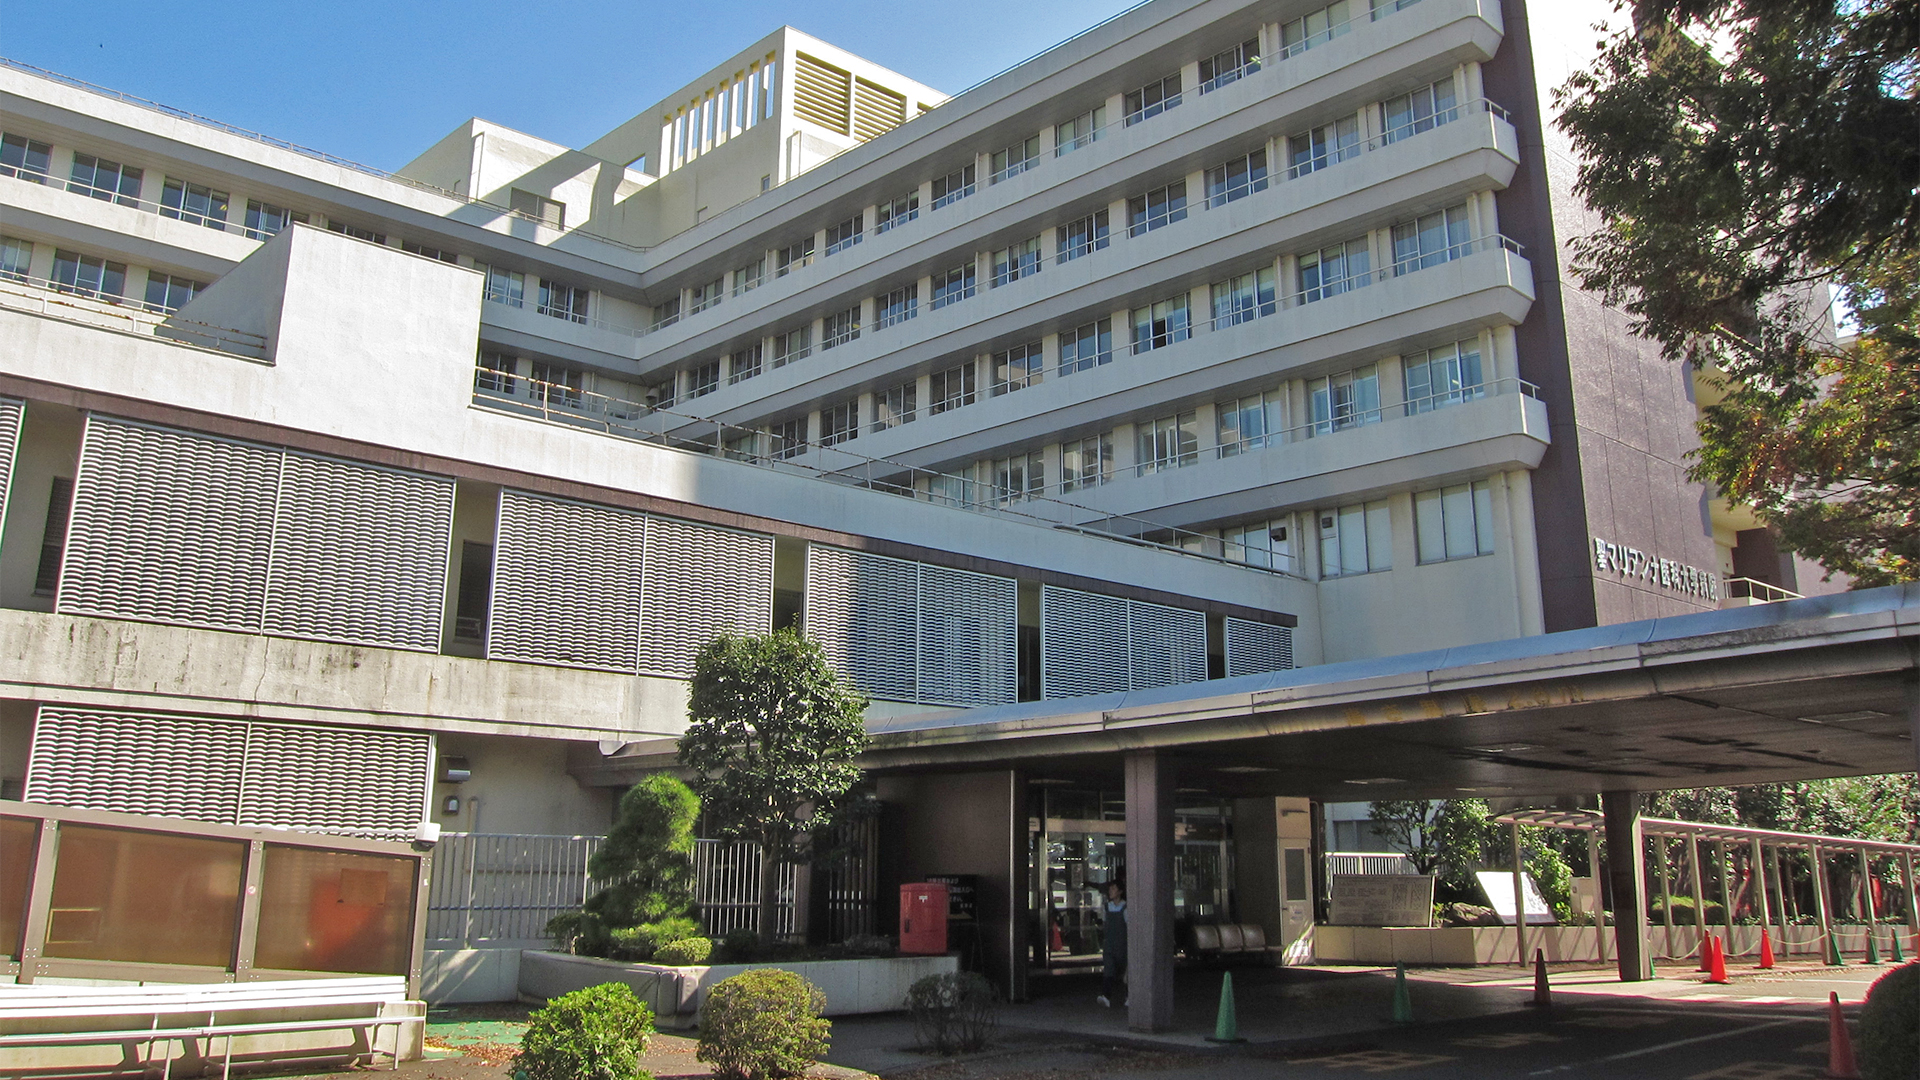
(1801, 689)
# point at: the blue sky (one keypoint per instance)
(380, 82)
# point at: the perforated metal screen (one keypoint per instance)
(969, 630)
(1165, 645)
(1091, 643)
(1254, 647)
(231, 772)
(697, 583)
(12, 414)
(566, 583)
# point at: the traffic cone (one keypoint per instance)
(1542, 993)
(1719, 972)
(1873, 946)
(1840, 1063)
(1402, 1002)
(1226, 1024)
(1766, 948)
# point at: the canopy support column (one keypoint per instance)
(1627, 874)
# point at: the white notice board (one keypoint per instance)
(1498, 885)
(1381, 900)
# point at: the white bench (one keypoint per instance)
(187, 1012)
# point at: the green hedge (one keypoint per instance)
(594, 1034)
(763, 1023)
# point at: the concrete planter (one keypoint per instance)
(675, 994)
(1461, 945)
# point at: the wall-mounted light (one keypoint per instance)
(451, 805)
(455, 770)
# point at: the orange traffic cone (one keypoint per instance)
(1542, 993)
(1766, 949)
(1840, 1063)
(1718, 974)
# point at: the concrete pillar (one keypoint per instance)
(1520, 954)
(1783, 904)
(1666, 896)
(1627, 874)
(1867, 912)
(1149, 892)
(1726, 890)
(1820, 897)
(1599, 894)
(1757, 870)
(1699, 896)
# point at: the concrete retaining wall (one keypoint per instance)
(461, 976)
(1495, 944)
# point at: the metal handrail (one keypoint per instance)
(622, 418)
(1394, 135)
(1746, 588)
(53, 299)
(1360, 418)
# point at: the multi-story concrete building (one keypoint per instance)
(1221, 338)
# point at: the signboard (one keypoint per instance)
(961, 889)
(1382, 900)
(1633, 564)
(1498, 885)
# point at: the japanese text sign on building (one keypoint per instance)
(1636, 565)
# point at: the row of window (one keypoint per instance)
(94, 276)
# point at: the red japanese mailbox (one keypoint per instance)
(923, 919)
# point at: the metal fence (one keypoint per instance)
(493, 888)
(726, 875)
(1368, 862)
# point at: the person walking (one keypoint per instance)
(1113, 947)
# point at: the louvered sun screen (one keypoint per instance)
(969, 637)
(566, 583)
(231, 772)
(697, 583)
(1166, 645)
(169, 526)
(822, 93)
(1255, 647)
(1083, 643)
(862, 609)
(876, 109)
(12, 413)
(359, 554)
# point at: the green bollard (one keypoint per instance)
(1873, 946)
(1834, 959)
(1894, 938)
(1226, 1025)
(1402, 1002)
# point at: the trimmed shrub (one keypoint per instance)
(868, 945)
(644, 941)
(594, 1034)
(740, 946)
(1889, 1028)
(955, 1012)
(684, 953)
(762, 1024)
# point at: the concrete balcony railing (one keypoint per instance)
(90, 307)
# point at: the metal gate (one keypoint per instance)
(497, 888)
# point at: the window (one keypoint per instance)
(1017, 479)
(953, 187)
(535, 207)
(1422, 110)
(1086, 463)
(1258, 543)
(950, 389)
(1016, 261)
(704, 379)
(1318, 148)
(1167, 443)
(840, 327)
(665, 313)
(896, 212)
(1161, 206)
(788, 439)
(1355, 539)
(168, 293)
(1015, 159)
(16, 256)
(1315, 28)
(25, 158)
(53, 538)
(1243, 298)
(1250, 423)
(952, 489)
(1454, 522)
(748, 278)
(562, 387)
(265, 219)
(702, 297)
(426, 252)
(356, 232)
(195, 204)
(793, 257)
(895, 405)
(1086, 346)
(1382, 8)
(1335, 269)
(104, 179)
(568, 302)
(1222, 68)
(476, 589)
(846, 234)
(1080, 131)
(1236, 179)
(1152, 99)
(506, 287)
(744, 447)
(744, 363)
(1161, 325)
(839, 423)
(896, 306)
(952, 286)
(89, 275)
(795, 344)
(1444, 376)
(1430, 240)
(1349, 399)
(1017, 368)
(496, 373)
(1082, 237)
